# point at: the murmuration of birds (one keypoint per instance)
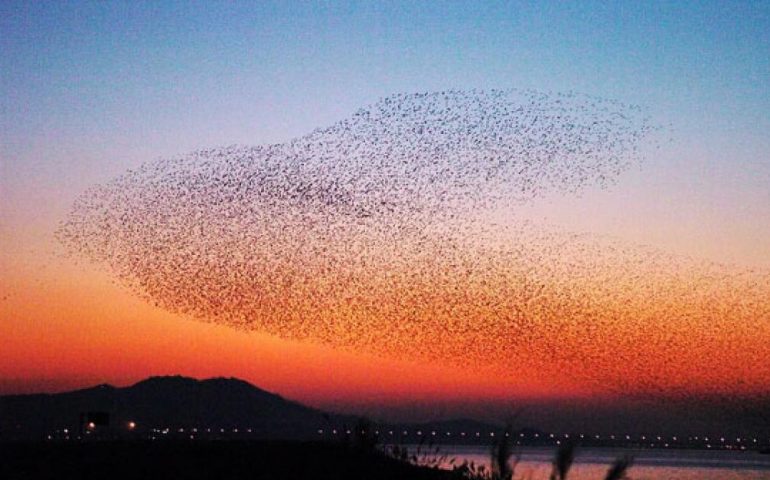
(371, 235)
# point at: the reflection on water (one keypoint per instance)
(592, 463)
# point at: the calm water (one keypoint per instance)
(592, 463)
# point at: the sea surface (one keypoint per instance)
(592, 463)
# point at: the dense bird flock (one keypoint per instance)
(373, 235)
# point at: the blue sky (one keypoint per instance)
(238, 62)
(93, 88)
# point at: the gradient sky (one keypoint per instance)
(92, 89)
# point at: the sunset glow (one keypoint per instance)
(448, 214)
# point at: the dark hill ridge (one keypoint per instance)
(215, 407)
(224, 402)
(165, 402)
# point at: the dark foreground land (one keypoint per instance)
(198, 460)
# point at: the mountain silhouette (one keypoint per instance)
(172, 403)
(177, 407)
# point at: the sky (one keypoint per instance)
(90, 90)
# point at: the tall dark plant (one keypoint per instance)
(618, 469)
(502, 451)
(565, 455)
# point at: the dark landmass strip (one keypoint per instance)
(161, 402)
(198, 460)
(179, 408)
